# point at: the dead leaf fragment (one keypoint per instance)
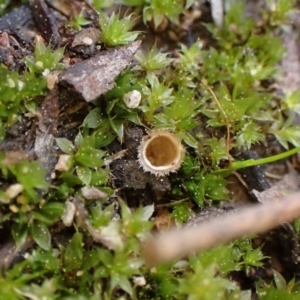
(52, 79)
(91, 193)
(43, 148)
(14, 190)
(49, 111)
(163, 220)
(71, 9)
(69, 213)
(14, 157)
(62, 164)
(46, 20)
(96, 76)
(109, 235)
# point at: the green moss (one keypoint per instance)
(115, 31)
(219, 90)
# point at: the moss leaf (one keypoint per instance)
(41, 235)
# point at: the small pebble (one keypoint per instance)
(132, 99)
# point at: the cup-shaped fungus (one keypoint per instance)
(160, 153)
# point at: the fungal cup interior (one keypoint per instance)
(162, 151)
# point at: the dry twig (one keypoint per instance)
(249, 220)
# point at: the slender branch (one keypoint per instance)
(254, 219)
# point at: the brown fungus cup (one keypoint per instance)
(160, 153)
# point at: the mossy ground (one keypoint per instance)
(73, 230)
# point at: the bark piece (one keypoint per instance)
(71, 9)
(46, 131)
(49, 113)
(10, 254)
(11, 51)
(44, 150)
(46, 21)
(19, 22)
(96, 76)
(45, 134)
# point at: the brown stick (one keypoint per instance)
(254, 219)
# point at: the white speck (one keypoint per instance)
(87, 41)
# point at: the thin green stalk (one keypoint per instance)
(254, 162)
